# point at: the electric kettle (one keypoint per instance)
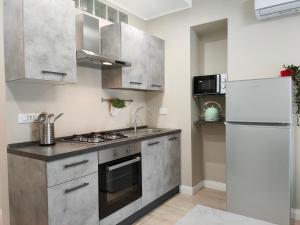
(212, 111)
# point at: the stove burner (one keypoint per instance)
(95, 137)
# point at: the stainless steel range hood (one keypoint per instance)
(85, 57)
(89, 47)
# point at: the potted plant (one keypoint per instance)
(294, 71)
(116, 105)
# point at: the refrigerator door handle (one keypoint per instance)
(257, 124)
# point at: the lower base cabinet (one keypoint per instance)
(65, 192)
(160, 166)
(152, 169)
(74, 202)
(171, 162)
(71, 201)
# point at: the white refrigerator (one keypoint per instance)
(260, 148)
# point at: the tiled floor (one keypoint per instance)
(174, 209)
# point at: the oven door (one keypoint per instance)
(204, 85)
(120, 183)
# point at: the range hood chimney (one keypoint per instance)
(89, 47)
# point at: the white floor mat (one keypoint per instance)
(201, 215)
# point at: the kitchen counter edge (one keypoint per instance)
(16, 149)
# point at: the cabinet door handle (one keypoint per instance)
(53, 72)
(76, 188)
(76, 164)
(132, 82)
(156, 85)
(153, 143)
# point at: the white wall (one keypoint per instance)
(81, 104)
(196, 55)
(256, 49)
(213, 50)
(3, 163)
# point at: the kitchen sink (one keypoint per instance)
(143, 132)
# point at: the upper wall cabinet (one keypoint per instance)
(40, 42)
(144, 52)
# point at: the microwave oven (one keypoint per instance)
(210, 84)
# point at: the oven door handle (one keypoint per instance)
(114, 167)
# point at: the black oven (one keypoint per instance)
(120, 181)
(208, 85)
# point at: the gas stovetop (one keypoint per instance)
(95, 137)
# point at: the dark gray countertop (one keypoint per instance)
(67, 149)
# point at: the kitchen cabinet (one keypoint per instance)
(152, 170)
(160, 166)
(143, 51)
(155, 63)
(171, 162)
(74, 202)
(40, 41)
(38, 197)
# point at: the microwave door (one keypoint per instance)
(205, 85)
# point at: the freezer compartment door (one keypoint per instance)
(264, 100)
(258, 172)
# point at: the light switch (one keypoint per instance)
(28, 117)
(163, 111)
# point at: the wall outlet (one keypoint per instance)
(163, 111)
(28, 117)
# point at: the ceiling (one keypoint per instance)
(150, 9)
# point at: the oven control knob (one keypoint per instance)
(115, 154)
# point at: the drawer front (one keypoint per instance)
(74, 202)
(64, 170)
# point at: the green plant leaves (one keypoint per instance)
(296, 79)
(118, 103)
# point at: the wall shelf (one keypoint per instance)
(203, 122)
(207, 95)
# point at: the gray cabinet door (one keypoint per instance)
(152, 170)
(171, 159)
(49, 40)
(133, 50)
(74, 202)
(155, 63)
(259, 160)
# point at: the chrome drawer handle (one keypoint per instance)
(56, 73)
(156, 85)
(76, 188)
(120, 165)
(76, 164)
(138, 83)
(153, 143)
(173, 138)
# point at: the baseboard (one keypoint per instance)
(214, 185)
(203, 184)
(296, 214)
(191, 190)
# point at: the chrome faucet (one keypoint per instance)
(135, 116)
